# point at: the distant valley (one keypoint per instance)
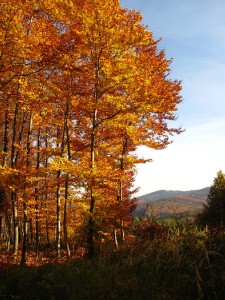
(166, 203)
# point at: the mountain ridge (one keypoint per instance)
(163, 203)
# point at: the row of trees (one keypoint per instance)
(82, 85)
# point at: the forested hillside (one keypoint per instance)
(165, 203)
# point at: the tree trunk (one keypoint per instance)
(0, 228)
(90, 234)
(120, 193)
(25, 219)
(37, 197)
(31, 231)
(13, 194)
(66, 127)
(15, 224)
(25, 227)
(65, 218)
(122, 233)
(5, 150)
(2, 208)
(6, 135)
(20, 138)
(58, 215)
(90, 237)
(115, 238)
(8, 230)
(46, 191)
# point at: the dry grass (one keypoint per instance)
(180, 262)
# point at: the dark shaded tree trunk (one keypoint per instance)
(6, 134)
(13, 193)
(36, 191)
(90, 237)
(65, 218)
(90, 234)
(25, 229)
(46, 192)
(66, 127)
(58, 215)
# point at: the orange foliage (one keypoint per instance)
(83, 84)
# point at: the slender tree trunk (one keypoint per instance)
(37, 196)
(2, 208)
(47, 229)
(0, 228)
(15, 223)
(58, 215)
(47, 216)
(31, 231)
(8, 230)
(90, 237)
(20, 138)
(66, 127)
(58, 200)
(46, 191)
(5, 150)
(25, 219)
(13, 193)
(65, 218)
(58, 209)
(25, 228)
(115, 238)
(37, 236)
(122, 233)
(6, 135)
(13, 149)
(120, 194)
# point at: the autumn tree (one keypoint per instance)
(83, 85)
(125, 78)
(24, 63)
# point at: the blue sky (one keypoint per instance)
(193, 33)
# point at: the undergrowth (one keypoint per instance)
(178, 261)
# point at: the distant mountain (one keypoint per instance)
(165, 203)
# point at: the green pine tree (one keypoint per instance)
(213, 213)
